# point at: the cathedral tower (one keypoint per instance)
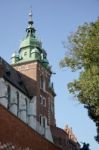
(27, 96)
(31, 61)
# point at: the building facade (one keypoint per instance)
(27, 91)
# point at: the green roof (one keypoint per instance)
(30, 41)
(31, 48)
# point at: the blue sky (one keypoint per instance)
(54, 20)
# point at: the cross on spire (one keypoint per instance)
(30, 29)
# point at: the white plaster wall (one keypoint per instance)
(32, 107)
(48, 134)
(32, 113)
(44, 131)
(3, 93)
(22, 114)
(28, 116)
(32, 121)
(13, 109)
(13, 101)
(35, 124)
(39, 128)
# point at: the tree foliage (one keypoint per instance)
(83, 54)
(85, 147)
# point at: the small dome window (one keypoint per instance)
(25, 53)
(35, 50)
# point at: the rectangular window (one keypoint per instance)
(42, 100)
(52, 105)
(42, 83)
(42, 120)
(25, 53)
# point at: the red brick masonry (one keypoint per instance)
(16, 132)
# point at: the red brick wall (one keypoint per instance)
(31, 76)
(13, 130)
(61, 138)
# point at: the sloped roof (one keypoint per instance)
(12, 76)
(60, 138)
(29, 84)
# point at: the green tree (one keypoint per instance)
(85, 146)
(83, 54)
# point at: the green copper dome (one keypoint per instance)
(30, 41)
(35, 50)
(30, 48)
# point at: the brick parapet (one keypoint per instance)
(16, 132)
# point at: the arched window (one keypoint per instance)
(52, 105)
(17, 96)
(42, 121)
(42, 82)
(9, 96)
(43, 101)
